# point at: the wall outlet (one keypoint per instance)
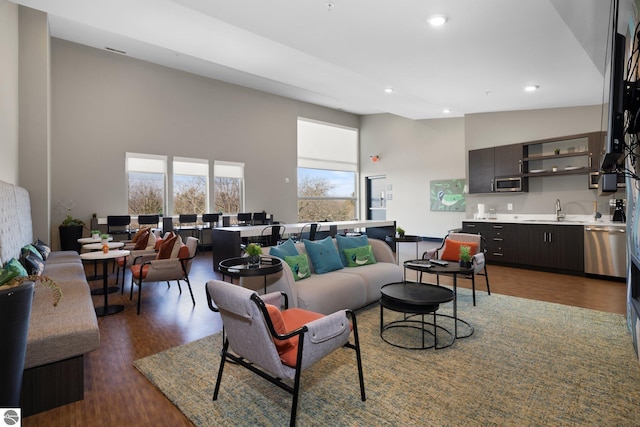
(509, 206)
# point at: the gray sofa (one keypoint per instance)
(348, 288)
(58, 336)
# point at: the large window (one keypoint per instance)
(190, 186)
(146, 180)
(228, 182)
(327, 172)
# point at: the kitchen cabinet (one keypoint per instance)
(567, 155)
(486, 164)
(545, 246)
(552, 246)
(501, 239)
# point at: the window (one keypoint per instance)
(228, 182)
(146, 183)
(327, 172)
(190, 186)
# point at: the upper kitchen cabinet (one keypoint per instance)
(487, 164)
(567, 155)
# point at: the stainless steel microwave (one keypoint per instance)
(508, 184)
(594, 177)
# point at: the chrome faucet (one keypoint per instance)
(559, 216)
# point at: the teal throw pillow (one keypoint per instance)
(30, 248)
(350, 243)
(359, 256)
(324, 255)
(11, 270)
(299, 266)
(287, 248)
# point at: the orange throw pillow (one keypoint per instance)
(138, 234)
(452, 249)
(167, 246)
(278, 324)
(142, 241)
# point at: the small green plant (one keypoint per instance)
(104, 236)
(254, 250)
(465, 253)
(400, 231)
(95, 232)
(70, 221)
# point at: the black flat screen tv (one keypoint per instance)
(615, 143)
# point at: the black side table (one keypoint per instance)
(413, 299)
(452, 269)
(241, 267)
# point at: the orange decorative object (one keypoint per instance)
(105, 248)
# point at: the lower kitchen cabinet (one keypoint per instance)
(545, 246)
(552, 246)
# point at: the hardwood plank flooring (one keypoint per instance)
(117, 394)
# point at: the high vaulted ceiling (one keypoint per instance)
(343, 54)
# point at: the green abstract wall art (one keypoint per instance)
(448, 195)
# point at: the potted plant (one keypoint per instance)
(400, 232)
(254, 251)
(465, 256)
(95, 234)
(70, 231)
(104, 238)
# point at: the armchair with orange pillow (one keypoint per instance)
(450, 251)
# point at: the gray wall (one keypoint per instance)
(105, 104)
(494, 129)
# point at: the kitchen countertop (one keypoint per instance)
(549, 219)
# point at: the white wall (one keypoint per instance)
(9, 91)
(412, 154)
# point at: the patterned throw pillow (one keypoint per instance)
(359, 256)
(324, 255)
(33, 264)
(43, 248)
(299, 266)
(350, 243)
(31, 249)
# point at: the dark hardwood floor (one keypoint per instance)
(117, 394)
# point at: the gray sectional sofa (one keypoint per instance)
(346, 288)
(58, 336)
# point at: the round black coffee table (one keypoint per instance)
(413, 300)
(241, 267)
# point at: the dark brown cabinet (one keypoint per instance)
(486, 164)
(554, 247)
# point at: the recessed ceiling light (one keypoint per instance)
(531, 88)
(437, 20)
(446, 111)
(388, 90)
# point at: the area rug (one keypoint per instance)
(528, 363)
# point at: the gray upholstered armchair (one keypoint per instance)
(277, 344)
(450, 250)
(165, 270)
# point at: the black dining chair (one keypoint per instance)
(119, 225)
(244, 218)
(151, 220)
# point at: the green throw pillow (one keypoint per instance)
(11, 270)
(299, 266)
(362, 255)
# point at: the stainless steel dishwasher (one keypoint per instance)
(605, 250)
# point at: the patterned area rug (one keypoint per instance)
(528, 363)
